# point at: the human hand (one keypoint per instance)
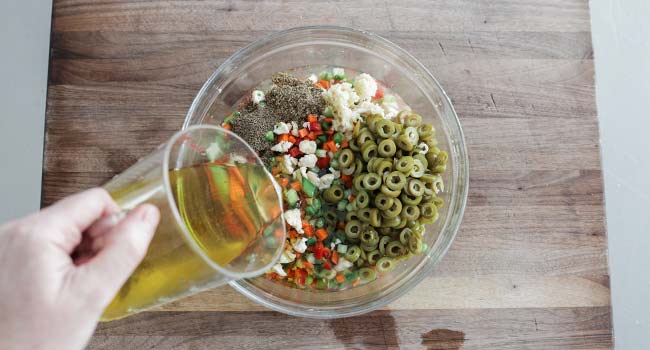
(49, 300)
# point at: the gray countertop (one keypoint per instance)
(622, 50)
(621, 38)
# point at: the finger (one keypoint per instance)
(80, 210)
(125, 246)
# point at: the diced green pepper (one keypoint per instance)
(308, 187)
(322, 138)
(311, 241)
(269, 136)
(321, 284)
(326, 76)
(292, 197)
(316, 203)
(325, 126)
(351, 276)
(328, 111)
(338, 138)
(341, 205)
(309, 280)
(310, 210)
(320, 222)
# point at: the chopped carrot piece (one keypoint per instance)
(293, 234)
(291, 139)
(321, 234)
(311, 136)
(325, 84)
(347, 180)
(226, 126)
(303, 132)
(312, 118)
(355, 282)
(329, 132)
(318, 132)
(307, 264)
(335, 257)
(340, 278)
(296, 186)
(283, 137)
(283, 181)
(309, 231)
(329, 146)
(344, 144)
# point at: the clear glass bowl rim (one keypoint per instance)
(459, 194)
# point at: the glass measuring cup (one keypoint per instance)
(220, 217)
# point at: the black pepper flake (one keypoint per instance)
(288, 100)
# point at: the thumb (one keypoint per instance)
(125, 247)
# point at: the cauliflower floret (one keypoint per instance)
(343, 265)
(294, 129)
(308, 161)
(294, 219)
(300, 245)
(313, 178)
(287, 257)
(369, 108)
(307, 147)
(326, 181)
(282, 146)
(365, 86)
(341, 95)
(289, 163)
(281, 128)
(257, 96)
(313, 78)
(345, 119)
(277, 268)
(391, 108)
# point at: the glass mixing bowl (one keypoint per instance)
(297, 49)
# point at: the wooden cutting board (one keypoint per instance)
(529, 266)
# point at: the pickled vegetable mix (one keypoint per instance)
(361, 175)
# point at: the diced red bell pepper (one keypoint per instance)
(327, 265)
(379, 93)
(323, 163)
(315, 126)
(295, 152)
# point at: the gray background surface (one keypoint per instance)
(621, 33)
(621, 37)
(24, 39)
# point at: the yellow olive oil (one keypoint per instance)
(225, 209)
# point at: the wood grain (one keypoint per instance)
(529, 266)
(552, 328)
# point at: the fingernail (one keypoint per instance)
(149, 214)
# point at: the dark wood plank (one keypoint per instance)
(560, 328)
